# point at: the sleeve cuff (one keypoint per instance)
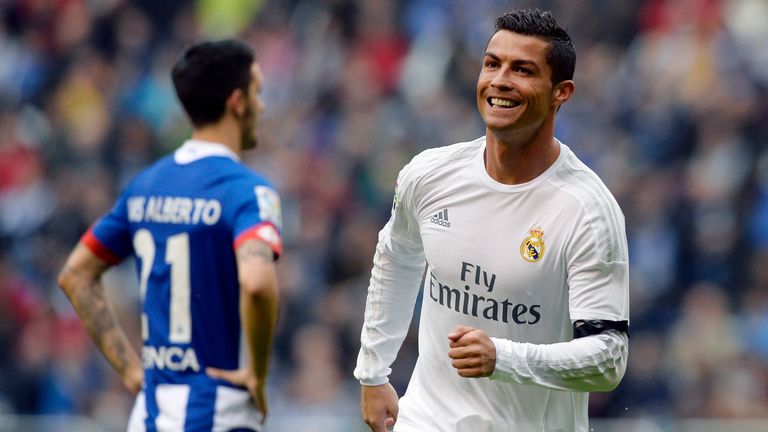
(266, 232)
(374, 381)
(511, 361)
(97, 247)
(497, 373)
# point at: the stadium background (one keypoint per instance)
(671, 109)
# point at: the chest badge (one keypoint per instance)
(532, 247)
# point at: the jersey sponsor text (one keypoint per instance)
(469, 303)
(172, 358)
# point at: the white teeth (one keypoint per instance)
(503, 102)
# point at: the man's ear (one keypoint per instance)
(562, 92)
(236, 103)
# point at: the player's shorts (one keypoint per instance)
(179, 408)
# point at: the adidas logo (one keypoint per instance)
(441, 218)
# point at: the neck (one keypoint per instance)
(223, 132)
(519, 157)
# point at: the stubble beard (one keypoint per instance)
(248, 138)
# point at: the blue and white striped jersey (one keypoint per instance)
(183, 218)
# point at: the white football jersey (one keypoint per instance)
(521, 262)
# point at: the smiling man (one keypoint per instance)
(526, 293)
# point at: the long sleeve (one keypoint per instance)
(592, 363)
(398, 265)
(598, 288)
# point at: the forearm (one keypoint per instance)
(398, 265)
(259, 317)
(592, 363)
(89, 301)
(392, 292)
(259, 299)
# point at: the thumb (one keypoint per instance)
(390, 418)
(392, 412)
(381, 425)
(458, 332)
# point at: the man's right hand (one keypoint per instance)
(378, 405)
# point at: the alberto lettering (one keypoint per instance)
(173, 210)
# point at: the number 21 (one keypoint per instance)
(177, 257)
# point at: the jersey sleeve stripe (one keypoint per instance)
(264, 231)
(90, 240)
(603, 208)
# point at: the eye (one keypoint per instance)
(491, 64)
(523, 71)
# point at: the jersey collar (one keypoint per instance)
(193, 150)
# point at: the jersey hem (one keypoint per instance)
(402, 426)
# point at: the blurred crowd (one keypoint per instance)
(671, 110)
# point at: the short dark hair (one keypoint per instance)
(207, 73)
(561, 54)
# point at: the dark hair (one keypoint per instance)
(207, 73)
(560, 55)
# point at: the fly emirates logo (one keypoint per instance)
(469, 301)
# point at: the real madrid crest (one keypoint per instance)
(532, 247)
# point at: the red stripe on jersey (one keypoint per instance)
(98, 248)
(266, 232)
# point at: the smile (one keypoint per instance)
(502, 103)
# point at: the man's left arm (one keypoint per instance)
(259, 298)
(80, 279)
(592, 363)
(258, 244)
(598, 289)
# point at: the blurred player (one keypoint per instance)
(204, 230)
(525, 304)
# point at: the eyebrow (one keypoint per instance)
(520, 62)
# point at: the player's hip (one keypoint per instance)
(438, 399)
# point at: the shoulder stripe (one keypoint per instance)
(426, 161)
(599, 194)
(609, 210)
(430, 163)
(595, 191)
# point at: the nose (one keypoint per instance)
(501, 80)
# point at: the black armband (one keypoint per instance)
(583, 328)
